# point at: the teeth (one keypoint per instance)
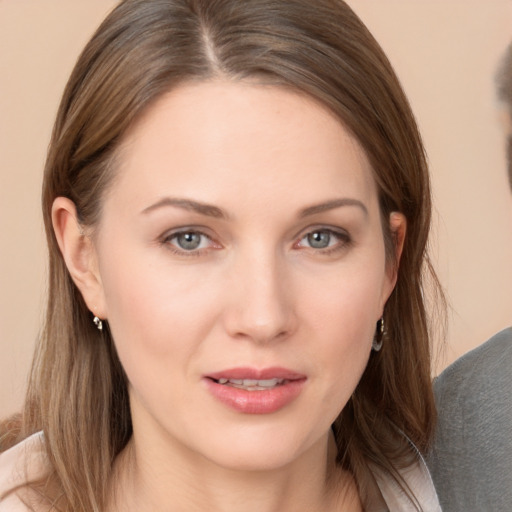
(252, 384)
(268, 383)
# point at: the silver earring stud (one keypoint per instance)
(379, 336)
(98, 323)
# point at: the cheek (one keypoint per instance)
(157, 317)
(347, 303)
(342, 321)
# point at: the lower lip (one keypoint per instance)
(256, 402)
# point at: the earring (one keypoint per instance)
(379, 335)
(98, 323)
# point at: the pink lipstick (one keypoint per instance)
(252, 391)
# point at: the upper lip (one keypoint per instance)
(256, 374)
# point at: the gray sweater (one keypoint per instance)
(471, 461)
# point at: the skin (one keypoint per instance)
(255, 293)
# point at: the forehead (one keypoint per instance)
(211, 138)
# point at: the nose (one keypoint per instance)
(261, 304)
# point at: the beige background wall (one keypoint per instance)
(445, 52)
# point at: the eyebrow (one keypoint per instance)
(187, 204)
(216, 212)
(331, 205)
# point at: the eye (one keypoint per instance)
(188, 241)
(319, 239)
(324, 239)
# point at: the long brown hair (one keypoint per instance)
(77, 393)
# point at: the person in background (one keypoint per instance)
(504, 84)
(471, 459)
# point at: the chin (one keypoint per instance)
(254, 461)
(259, 451)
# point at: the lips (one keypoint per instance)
(252, 384)
(252, 391)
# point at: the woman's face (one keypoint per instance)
(242, 269)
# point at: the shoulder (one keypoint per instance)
(486, 365)
(470, 458)
(417, 479)
(477, 388)
(18, 465)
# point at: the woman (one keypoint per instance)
(237, 206)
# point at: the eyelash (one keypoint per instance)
(344, 241)
(167, 242)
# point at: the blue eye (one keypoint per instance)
(319, 239)
(324, 240)
(189, 240)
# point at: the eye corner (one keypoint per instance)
(328, 240)
(188, 242)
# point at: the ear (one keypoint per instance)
(398, 228)
(79, 254)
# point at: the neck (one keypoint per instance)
(154, 478)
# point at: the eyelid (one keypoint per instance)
(166, 238)
(342, 235)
